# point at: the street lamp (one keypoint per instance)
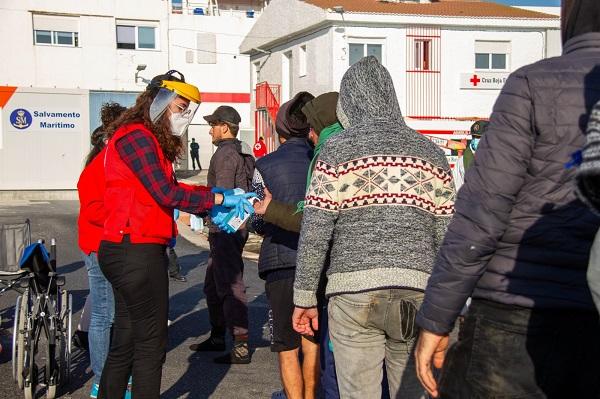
(139, 69)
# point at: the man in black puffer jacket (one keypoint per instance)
(520, 241)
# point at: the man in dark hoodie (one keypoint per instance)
(284, 172)
(232, 165)
(520, 240)
(380, 198)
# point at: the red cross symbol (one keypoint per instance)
(475, 80)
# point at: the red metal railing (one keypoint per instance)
(267, 98)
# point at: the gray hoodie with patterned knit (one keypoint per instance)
(380, 198)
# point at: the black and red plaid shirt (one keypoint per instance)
(140, 153)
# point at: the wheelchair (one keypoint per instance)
(41, 347)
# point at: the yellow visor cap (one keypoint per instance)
(185, 90)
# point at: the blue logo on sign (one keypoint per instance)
(20, 118)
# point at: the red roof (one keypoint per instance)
(443, 8)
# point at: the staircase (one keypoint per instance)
(267, 104)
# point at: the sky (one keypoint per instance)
(528, 2)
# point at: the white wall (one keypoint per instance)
(458, 56)
(228, 74)
(96, 63)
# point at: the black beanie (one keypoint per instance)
(291, 122)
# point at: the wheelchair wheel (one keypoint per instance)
(64, 341)
(51, 392)
(15, 337)
(30, 386)
(18, 355)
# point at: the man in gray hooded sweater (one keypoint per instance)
(379, 201)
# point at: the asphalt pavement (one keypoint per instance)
(185, 374)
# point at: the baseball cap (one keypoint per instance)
(478, 128)
(224, 113)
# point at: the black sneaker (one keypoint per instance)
(212, 344)
(240, 354)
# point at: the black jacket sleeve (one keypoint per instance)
(483, 206)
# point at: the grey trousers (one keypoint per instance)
(368, 328)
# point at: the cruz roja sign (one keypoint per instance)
(483, 80)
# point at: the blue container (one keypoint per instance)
(250, 13)
(198, 11)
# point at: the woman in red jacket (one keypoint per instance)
(141, 193)
(91, 224)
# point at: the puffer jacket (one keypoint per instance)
(520, 235)
(284, 173)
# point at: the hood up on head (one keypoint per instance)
(367, 93)
(320, 112)
(579, 17)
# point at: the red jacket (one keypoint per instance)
(130, 207)
(260, 149)
(90, 188)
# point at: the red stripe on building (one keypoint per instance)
(440, 132)
(6, 93)
(225, 97)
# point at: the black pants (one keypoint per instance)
(224, 283)
(512, 352)
(195, 161)
(174, 267)
(138, 274)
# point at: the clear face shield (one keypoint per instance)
(181, 110)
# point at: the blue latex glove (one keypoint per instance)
(240, 203)
(218, 214)
(236, 198)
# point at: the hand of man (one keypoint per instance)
(260, 207)
(305, 320)
(431, 349)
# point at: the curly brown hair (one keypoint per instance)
(171, 145)
(109, 112)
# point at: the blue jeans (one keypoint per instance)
(102, 315)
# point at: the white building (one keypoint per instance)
(63, 59)
(448, 59)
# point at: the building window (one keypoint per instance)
(136, 37)
(302, 60)
(492, 56)
(360, 50)
(422, 55)
(55, 30)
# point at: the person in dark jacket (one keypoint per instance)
(321, 115)
(477, 130)
(195, 154)
(588, 189)
(232, 165)
(284, 173)
(520, 240)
